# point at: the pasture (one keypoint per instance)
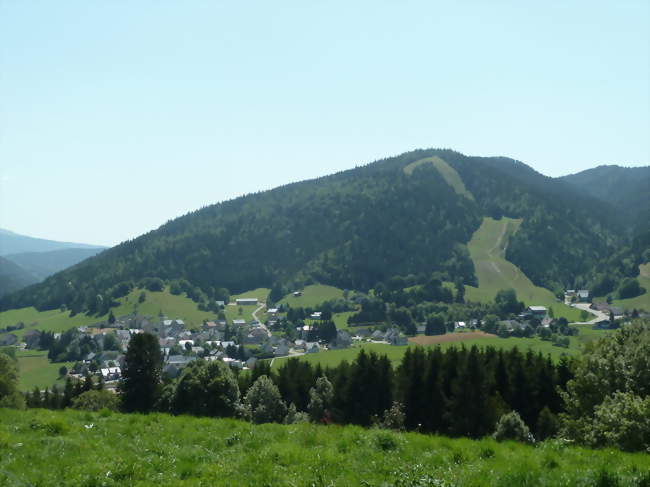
(487, 250)
(75, 448)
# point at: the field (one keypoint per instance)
(331, 358)
(156, 302)
(37, 371)
(69, 448)
(494, 272)
(312, 296)
(448, 173)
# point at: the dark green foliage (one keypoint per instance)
(141, 373)
(435, 325)
(94, 400)
(206, 389)
(506, 302)
(630, 288)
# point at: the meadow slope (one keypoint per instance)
(69, 448)
(487, 249)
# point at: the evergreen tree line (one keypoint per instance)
(458, 392)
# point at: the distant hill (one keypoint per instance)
(13, 277)
(626, 188)
(14, 243)
(44, 264)
(407, 215)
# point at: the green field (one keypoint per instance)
(448, 173)
(70, 448)
(36, 371)
(173, 306)
(312, 296)
(494, 272)
(332, 358)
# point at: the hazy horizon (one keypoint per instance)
(124, 116)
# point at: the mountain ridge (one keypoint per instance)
(349, 229)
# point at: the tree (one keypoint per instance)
(9, 394)
(96, 400)
(320, 400)
(630, 288)
(547, 424)
(506, 301)
(142, 297)
(63, 371)
(435, 325)
(264, 402)
(512, 427)
(141, 373)
(111, 318)
(611, 378)
(207, 389)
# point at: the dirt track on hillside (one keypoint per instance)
(449, 337)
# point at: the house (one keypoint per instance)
(221, 304)
(394, 337)
(179, 361)
(239, 322)
(460, 325)
(257, 335)
(343, 339)
(377, 335)
(272, 312)
(250, 363)
(537, 311)
(210, 325)
(281, 350)
(183, 343)
(246, 301)
(111, 373)
(297, 294)
(316, 315)
(312, 347)
(299, 345)
(583, 295)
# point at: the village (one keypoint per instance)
(99, 349)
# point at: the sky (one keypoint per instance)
(116, 117)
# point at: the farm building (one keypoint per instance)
(246, 301)
(537, 310)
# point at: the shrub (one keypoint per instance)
(511, 427)
(96, 401)
(264, 402)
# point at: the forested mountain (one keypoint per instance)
(14, 243)
(43, 264)
(398, 216)
(626, 188)
(13, 277)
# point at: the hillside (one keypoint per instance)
(159, 449)
(487, 249)
(627, 188)
(13, 277)
(43, 264)
(14, 243)
(411, 214)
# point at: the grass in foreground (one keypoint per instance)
(69, 448)
(494, 272)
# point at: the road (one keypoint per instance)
(254, 313)
(600, 316)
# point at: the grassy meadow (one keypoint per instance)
(36, 371)
(449, 174)
(494, 272)
(312, 296)
(81, 449)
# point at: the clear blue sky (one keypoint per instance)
(117, 116)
